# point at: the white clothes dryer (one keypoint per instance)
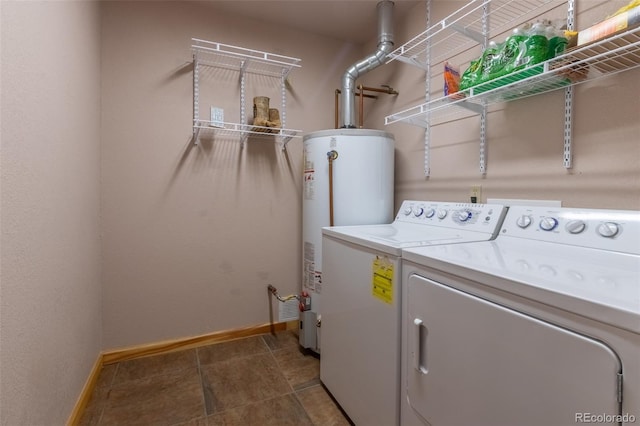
(360, 357)
(540, 326)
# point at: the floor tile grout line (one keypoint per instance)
(264, 342)
(267, 352)
(275, 360)
(258, 401)
(202, 389)
(295, 395)
(154, 375)
(308, 384)
(280, 370)
(115, 373)
(237, 356)
(105, 398)
(294, 391)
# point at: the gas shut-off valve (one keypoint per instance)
(303, 298)
(309, 320)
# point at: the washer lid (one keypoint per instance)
(392, 238)
(597, 284)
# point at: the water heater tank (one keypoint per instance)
(362, 181)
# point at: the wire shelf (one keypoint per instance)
(203, 128)
(614, 54)
(239, 58)
(242, 60)
(464, 28)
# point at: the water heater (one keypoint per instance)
(347, 177)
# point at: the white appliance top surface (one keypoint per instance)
(568, 270)
(422, 223)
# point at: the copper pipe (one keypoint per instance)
(389, 90)
(330, 192)
(338, 92)
(331, 156)
(336, 107)
(361, 112)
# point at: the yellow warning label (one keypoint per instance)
(382, 282)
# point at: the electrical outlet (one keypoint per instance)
(476, 193)
(217, 117)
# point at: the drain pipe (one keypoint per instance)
(385, 44)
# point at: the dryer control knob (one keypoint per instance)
(575, 226)
(430, 213)
(548, 223)
(523, 221)
(417, 212)
(407, 211)
(442, 214)
(608, 229)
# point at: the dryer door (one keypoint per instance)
(474, 362)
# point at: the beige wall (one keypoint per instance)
(194, 234)
(524, 138)
(50, 321)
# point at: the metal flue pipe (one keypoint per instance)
(377, 58)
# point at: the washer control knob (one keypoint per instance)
(575, 226)
(608, 229)
(442, 214)
(523, 221)
(464, 215)
(407, 211)
(548, 223)
(417, 212)
(430, 213)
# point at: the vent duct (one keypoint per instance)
(385, 44)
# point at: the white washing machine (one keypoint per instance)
(540, 326)
(360, 323)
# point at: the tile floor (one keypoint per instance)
(259, 380)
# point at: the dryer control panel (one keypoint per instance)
(473, 217)
(615, 230)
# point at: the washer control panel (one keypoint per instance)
(479, 217)
(617, 230)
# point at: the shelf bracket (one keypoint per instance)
(478, 109)
(427, 130)
(568, 112)
(196, 135)
(568, 99)
(243, 111)
(483, 114)
(283, 103)
(196, 99)
(412, 61)
(473, 35)
(285, 141)
(483, 142)
(422, 123)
